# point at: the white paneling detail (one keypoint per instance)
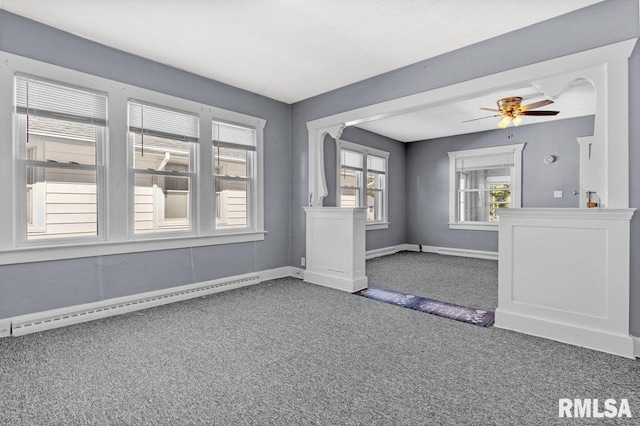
(564, 275)
(336, 247)
(578, 259)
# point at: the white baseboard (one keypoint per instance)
(585, 337)
(385, 251)
(345, 284)
(55, 318)
(636, 346)
(448, 251)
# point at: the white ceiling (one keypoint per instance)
(290, 50)
(446, 120)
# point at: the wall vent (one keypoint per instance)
(66, 316)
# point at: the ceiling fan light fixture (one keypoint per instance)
(517, 120)
(504, 123)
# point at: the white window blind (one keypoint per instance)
(41, 98)
(351, 159)
(162, 122)
(484, 162)
(230, 135)
(376, 164)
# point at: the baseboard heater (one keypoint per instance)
(47, 320)
(468, 253)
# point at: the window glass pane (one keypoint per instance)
(375, 181)
(480, 179)
(375, 205)
(61, 141)
(349, 197)
(351, 159)
(231, 203)
(230, 161)
(156, 153)
(162, 203)
(376, 163)
(350, 178)
(375, 196)
(61, 202)
(473, 206)
(500, 197)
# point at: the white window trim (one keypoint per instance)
(365, 150)
(516, 179)
(116, 236)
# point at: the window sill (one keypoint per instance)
(475, 226)
(100, 248)
(372, 226)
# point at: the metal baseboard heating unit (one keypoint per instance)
(47, 320)
(468, 253)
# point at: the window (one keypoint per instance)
(362, 180)
(233, 168)
(60, 134)
(101, 167)
(163, 151)
(482, 181)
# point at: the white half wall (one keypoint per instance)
(564, 275)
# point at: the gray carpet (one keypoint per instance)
(289, 353)
(460, 280)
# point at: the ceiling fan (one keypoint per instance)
(511, 111)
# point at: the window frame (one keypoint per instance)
(114, 205)
(251, 179)
(516, 183)
(365, 151)
(22, 162)
(191, 174)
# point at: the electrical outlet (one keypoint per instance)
(5, 328)
(557, 194)
(303, 261)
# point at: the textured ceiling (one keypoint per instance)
(289, 50)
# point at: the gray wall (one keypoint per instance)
(598, 25)
(428, 178)
(39, 286)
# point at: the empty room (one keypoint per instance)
(322, 213)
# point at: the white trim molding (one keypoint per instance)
(636, 346)
(446, 251)
(606, 67)
(516, 183)
(563, 274)
(362, 202)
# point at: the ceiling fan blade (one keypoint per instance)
(482, 118)
(539, 113)
(489, 109)
(536, 105)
